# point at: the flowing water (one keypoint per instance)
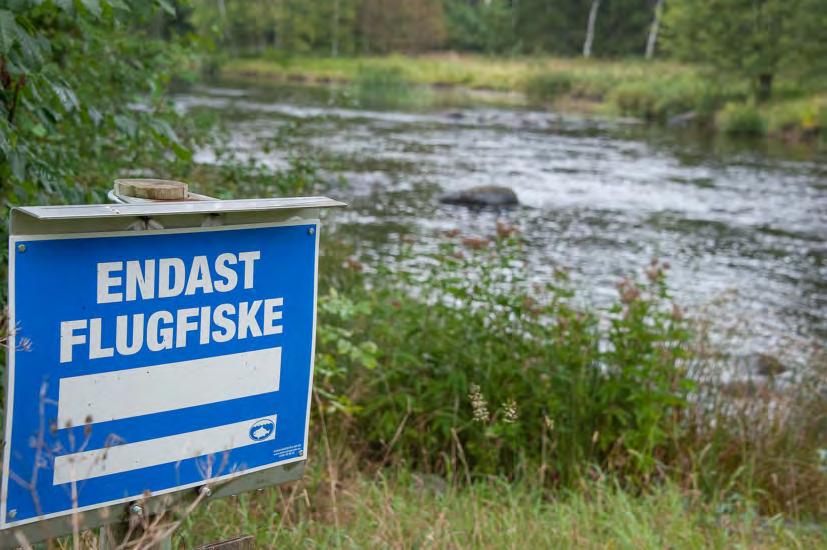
(743, 226)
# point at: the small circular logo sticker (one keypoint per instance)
(262, 429)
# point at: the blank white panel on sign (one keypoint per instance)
(163, 450)
(146, 390)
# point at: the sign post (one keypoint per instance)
(157, 366)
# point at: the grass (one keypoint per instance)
(412, 511)
(451, 69)
(655, 91)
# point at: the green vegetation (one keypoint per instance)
(362, 27)
(70, 77)
(84, 99)
(741, 119)
(483, 374)
(511, 378)
(654, 91)
(416, 511)
(756, 40)
(770, 52)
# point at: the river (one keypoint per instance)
(743, 225)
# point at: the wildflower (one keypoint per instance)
(510, 411)
(629, 291)
(549, 422)
(353, 264)
(505, 230)
(475, 243)
(531, 306)
(478, 404)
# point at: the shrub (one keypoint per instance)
(741, 119)
(658, 99)
(635, 98)
(479, 373)
(806, 117)
(547, 86)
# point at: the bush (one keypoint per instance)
(803, 118)
(741, 119)
(662, 98)
(476, 372)
(543, 87)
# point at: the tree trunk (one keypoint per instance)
(334, 43)
(587, 45)
(653, 31)
(764, 86)
(222, 25)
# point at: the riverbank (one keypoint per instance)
(659, 92)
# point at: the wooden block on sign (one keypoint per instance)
(162, 190)
(246, 542)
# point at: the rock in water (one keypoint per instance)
(482, 195)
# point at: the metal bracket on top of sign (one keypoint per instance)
(146, 216)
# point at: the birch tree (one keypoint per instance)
(653, 30)
(587, 45)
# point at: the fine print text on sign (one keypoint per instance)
(152, 362)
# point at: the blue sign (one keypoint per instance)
(149, 362)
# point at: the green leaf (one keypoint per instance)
(66, 96)
(166, 6)
(65, 5)
(10, 31)
(126, 125)
(17, 162)
(92, 6)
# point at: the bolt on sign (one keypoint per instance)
(150, 362)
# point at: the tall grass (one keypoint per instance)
(415, 511)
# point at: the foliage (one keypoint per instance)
(803, 118)
(405, 510)
(83, 99)
(741, 119)
(381, 26)
(547, 86)
(659, 99)
(331, 27)
(482, 27)
(401, 25)
(756, 39)
(479, 366)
